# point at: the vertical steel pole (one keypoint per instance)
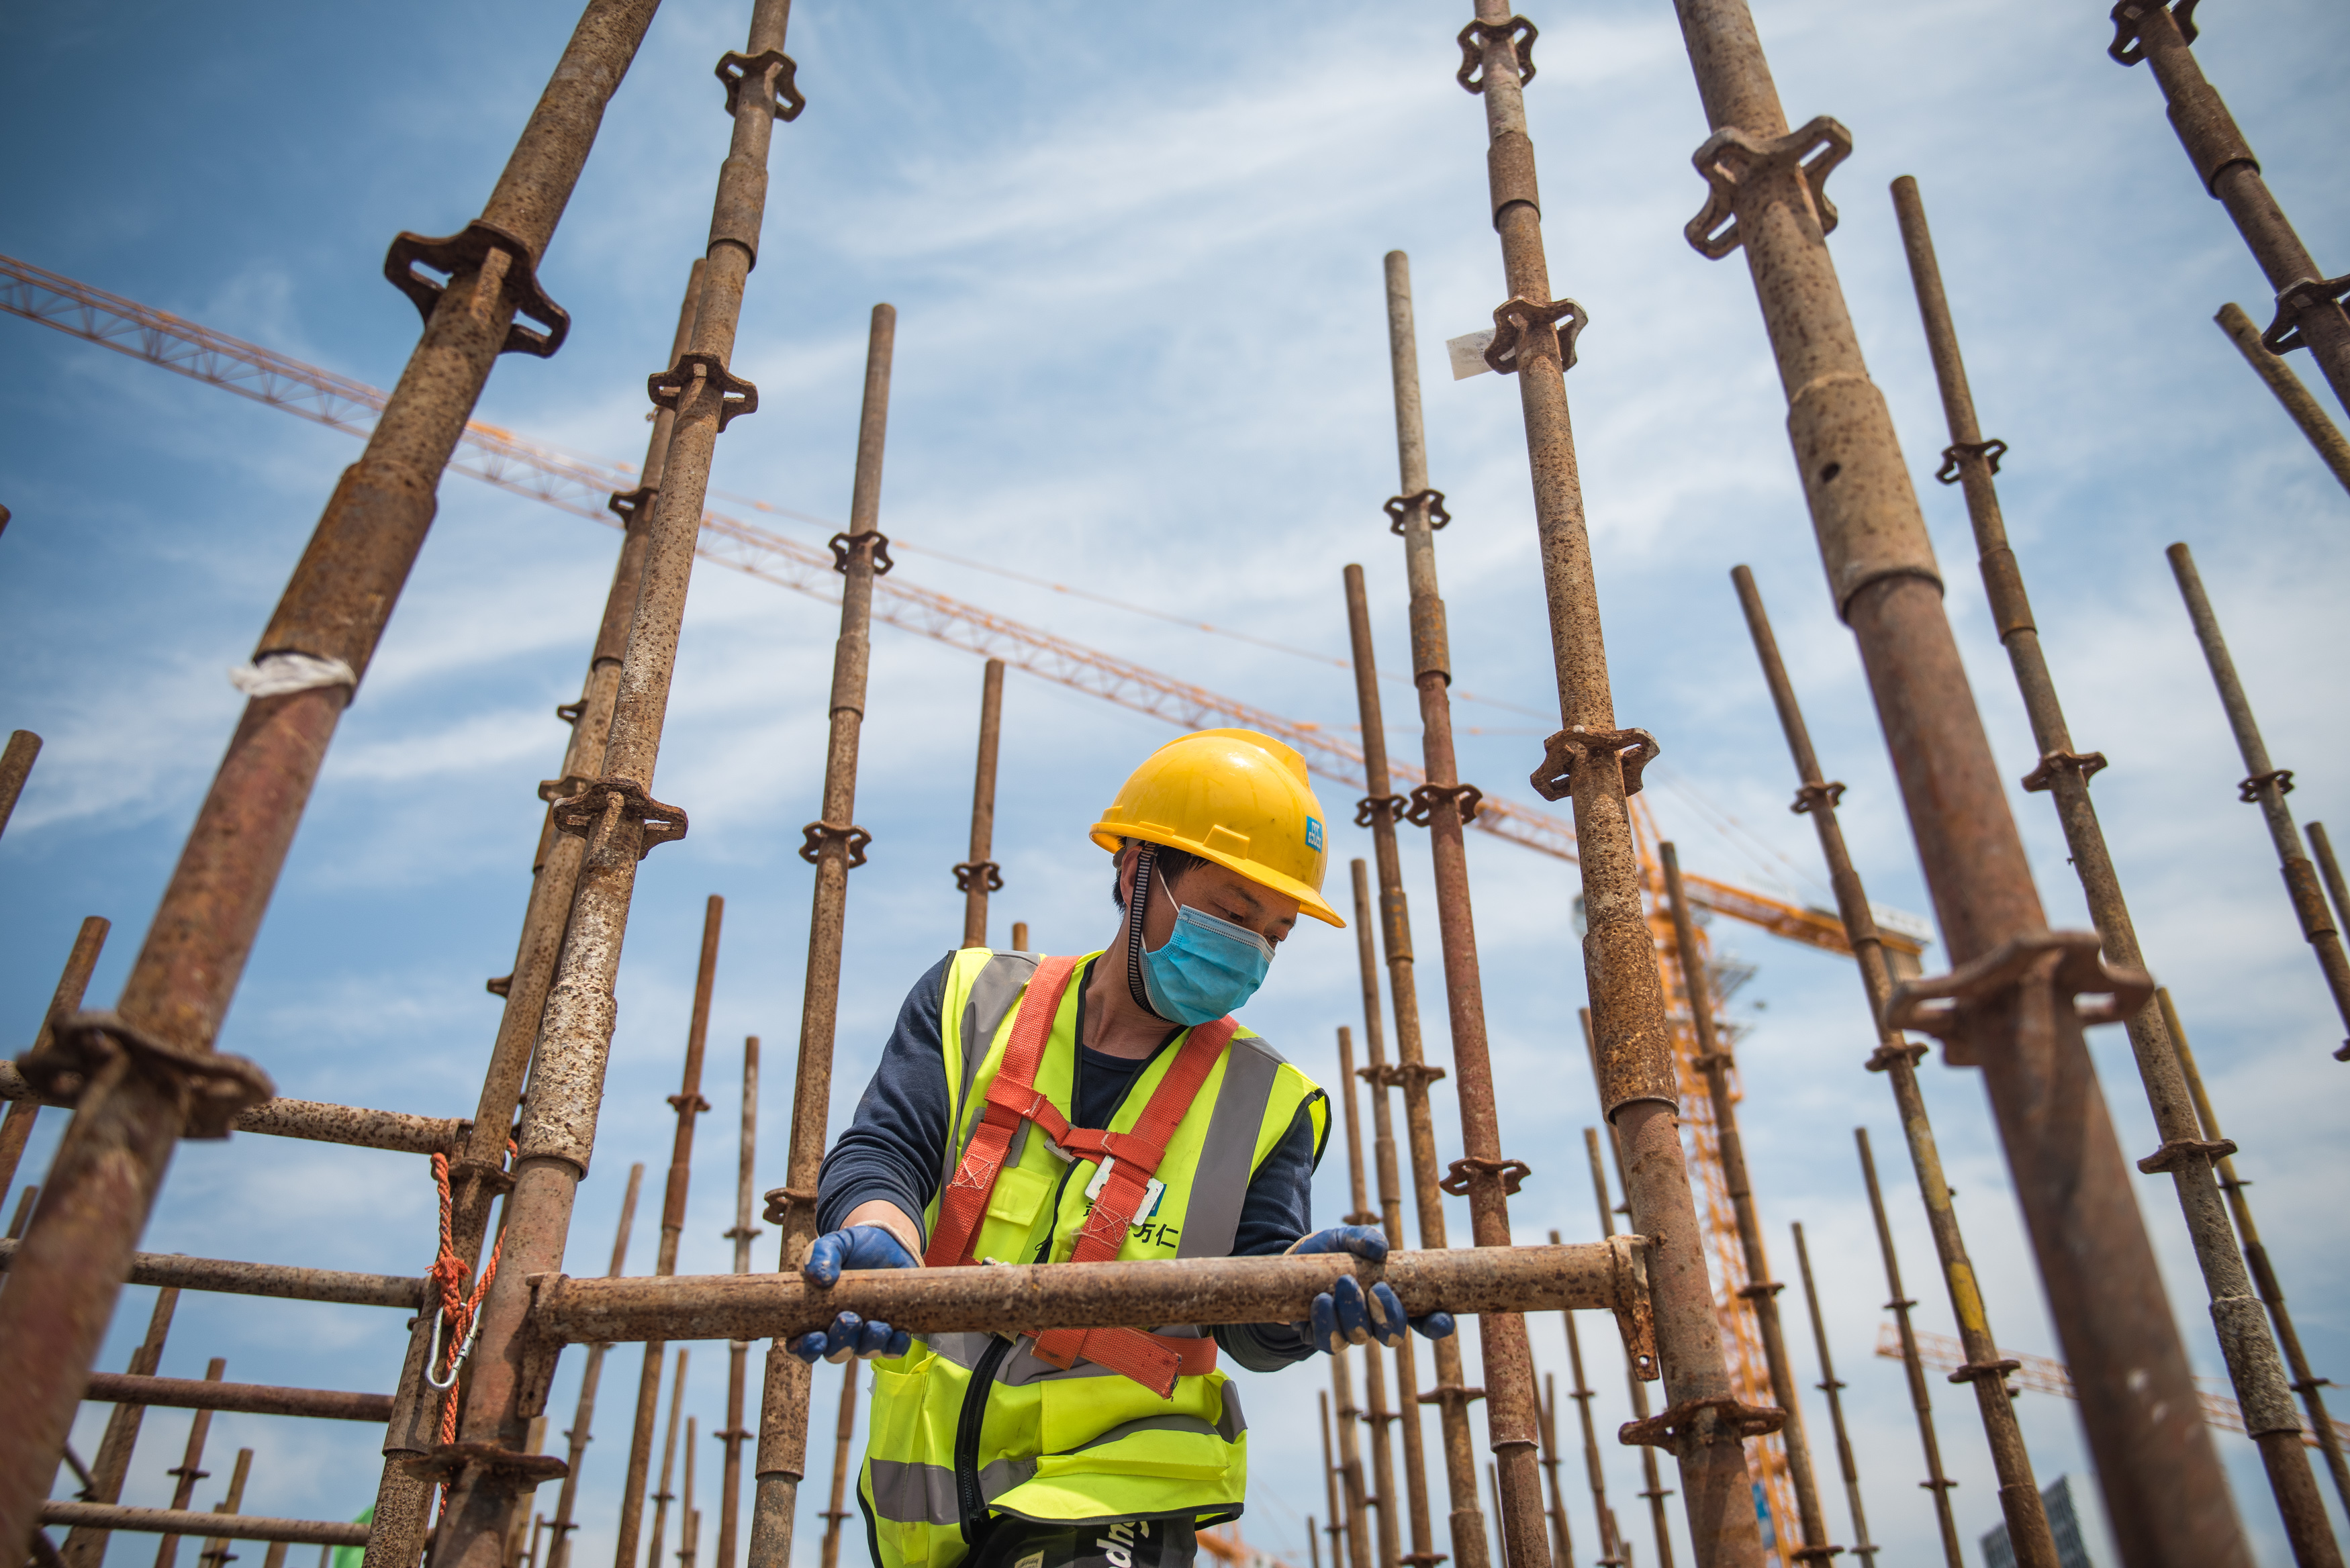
(477, 1171)
(1334, 1529)
(2306, 1383)
(1562, 1541)
(217, 1554)
(1612, 1549)
(1380, 811)
(1379, 1492)
(88, 942)
(834, 845)
(583, 1420)
(2267, 786)
(1993, 1375)
(149, 1071)
(190, 1470)
(738, 1350)
(622, 821)
(16, 766)
(2010, 1004)
(978, 876)
(688, 1103)
(1381, 1077)
(2330, 869)
(1599, 765)
(1830, 1385)
(85, 1545)
(2308, 304)
(1896, 1059)
(2249, 1349)
(1019, 936)
(2303, 409)
(843, 1467)
(1715, 1060)
(1443, 804)
(1342, 1362)
(688, 1516)
(1654, 1491)
(663, 1498)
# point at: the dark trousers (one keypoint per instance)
(1122, 1543)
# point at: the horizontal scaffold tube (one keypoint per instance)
(401, 1132)
(226, 1277)
(1008, 1299)
(252, 1398)
(217, 1526)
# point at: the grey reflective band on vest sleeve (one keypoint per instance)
(992, 996)
(1219, 1185)
(1229, 1429)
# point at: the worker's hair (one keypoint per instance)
(1168, 866)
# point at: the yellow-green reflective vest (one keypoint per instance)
(967, 1424)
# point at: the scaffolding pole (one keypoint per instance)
(1653, 1490)
(1379, 1489)
(842, 1468)
(65, 1001)
(1610, 1553)
(1380, 811)
(978, 876)
(663, 1498)
(2012, 1003)
(2062, 773)
(583, 1420)
(1990, 1379)
(1598, 764)
(1897, 1059)
(834, 844)
(622, 821)
(738, 1352)
(85, 1545)
(2303, 409)
(1831, 1386)
(190, 1470)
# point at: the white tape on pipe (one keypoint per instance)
(277, 674)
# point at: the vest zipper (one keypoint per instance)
(967, 1433)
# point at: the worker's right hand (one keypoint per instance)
(854, 1247)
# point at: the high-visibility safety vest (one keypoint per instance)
(1072, 1425)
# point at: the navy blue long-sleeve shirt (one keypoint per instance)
(894, 1146)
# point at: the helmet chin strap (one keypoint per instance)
(1137, 901)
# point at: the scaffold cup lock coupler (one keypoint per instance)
(1515, 320)
(844, 544)
(736, 395)
(1990, 450)
(1730, 158)
(1399, 507)
(579, 815)
(2035, 969)
(735, 68)
(1474, 39)
(1635, 749)
(2128, 15)
(213, 1087)
(453, 254)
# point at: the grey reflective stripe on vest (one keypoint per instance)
(993, 995)
(913, 1494)
(1227, 1154)
(1229, 1429)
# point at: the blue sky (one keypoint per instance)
(1136, 258)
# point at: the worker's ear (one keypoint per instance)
(1122, 876)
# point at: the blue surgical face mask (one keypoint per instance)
(1206, 968)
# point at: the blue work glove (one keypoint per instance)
(858, 1247)
(1348, 1314)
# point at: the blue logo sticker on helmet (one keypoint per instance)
(1314, 834)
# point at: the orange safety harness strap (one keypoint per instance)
(1129, 1160)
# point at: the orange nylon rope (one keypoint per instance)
(458, 1310)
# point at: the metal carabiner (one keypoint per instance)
(457, 1359)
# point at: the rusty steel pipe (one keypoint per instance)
(252, 1398)
(1355, 1490)
(1988, 1374)
(559, 1552)
(190, 1470)
(1380, 1489)
(2304, 411)
(1336, 1528)
(2010, 1004)
(1611, 1547)
(1831, 1386)
(734, 1435)
(314, 1120)
(1017, 1298)
(2309, 311)
(1412, 1073)
(24, 1106)
(2267, 785)
(1562, 1540)
(1380, 1078)
(688, 1104)
(2330, 870)
(150, 1071)
(287, 1283)
(622, 821)
(1483, 1173)
(663, 1498)
(2305, 1382)
(217, 1554)
(2245, 1341)
(834, 845)
(980, 875)
(16, 764)
(1898, 1058)
(175, 1521)
(844, 1432)
(1654, 1491)
(1715, 1060)
(1638, 1094)
(85, 1546)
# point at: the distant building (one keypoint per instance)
(2063, 1524)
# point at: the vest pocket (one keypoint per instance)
(1020, 1192)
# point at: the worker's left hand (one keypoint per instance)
(855, 1247)
(1346, 1313)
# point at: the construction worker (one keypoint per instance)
(1036, 1110)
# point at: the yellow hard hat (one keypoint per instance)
(1233, 796)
